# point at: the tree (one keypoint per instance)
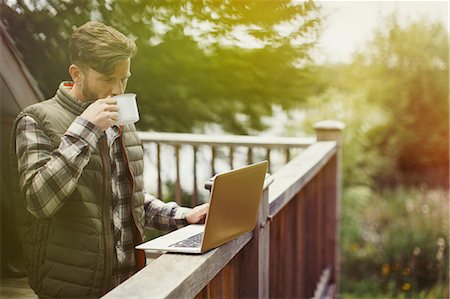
(410, 76)
(198, 62)
(393, 98)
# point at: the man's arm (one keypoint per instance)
(164, 216)
(48, 176)
(170, 216)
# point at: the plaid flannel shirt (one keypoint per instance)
(49, 175)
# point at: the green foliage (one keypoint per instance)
(393, 98)
(395, 243)
(41, 37)
(198, 62)
(360, 158)
(408, 76)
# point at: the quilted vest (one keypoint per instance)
(72, 253)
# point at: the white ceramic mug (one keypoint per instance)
(128, 110)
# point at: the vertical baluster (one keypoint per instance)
(194, 201)
(250, 155)
(158, 169)
(231, 157)
(268, 158)
(213, 158)
(177, 182)
(287, 155)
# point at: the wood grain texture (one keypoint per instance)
(179, 275)
(298, 172)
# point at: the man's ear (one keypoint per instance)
(76, 74)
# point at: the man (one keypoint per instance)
(81, 176)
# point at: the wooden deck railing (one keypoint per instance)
(213, 143)
(291, 253)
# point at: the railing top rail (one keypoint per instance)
(179, 275)
(226, 140)
(298, 172)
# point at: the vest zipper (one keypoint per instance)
(130, 175)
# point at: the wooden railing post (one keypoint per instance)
(178, 192)
(158, 169)
(254, 268)
(194, 200)
(263, 231)
(330, 130)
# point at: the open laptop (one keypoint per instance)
(233, 211)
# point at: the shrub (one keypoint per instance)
(394, 242)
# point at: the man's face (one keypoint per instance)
(96, 85)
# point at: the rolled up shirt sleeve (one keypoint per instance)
(164, 216)
(49, 175)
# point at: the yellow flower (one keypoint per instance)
(406, 271)
(386, 269)
(406, 286)
(355, 247)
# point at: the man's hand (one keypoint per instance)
(102, 113)
(198, 214)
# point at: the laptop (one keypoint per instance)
(233, 211)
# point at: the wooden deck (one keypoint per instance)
(13, 288)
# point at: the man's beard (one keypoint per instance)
(87, 93)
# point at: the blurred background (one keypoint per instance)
(274, 68)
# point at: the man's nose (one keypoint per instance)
(118, 89)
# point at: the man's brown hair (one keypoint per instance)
(100, 47)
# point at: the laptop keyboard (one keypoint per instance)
(191, 242)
